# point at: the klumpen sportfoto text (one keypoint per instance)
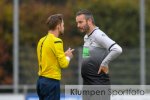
(111, 92)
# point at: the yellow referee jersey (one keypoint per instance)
(51, 57)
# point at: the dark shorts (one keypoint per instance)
(48, 89)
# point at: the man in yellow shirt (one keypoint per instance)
(51, 59)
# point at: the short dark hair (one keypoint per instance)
(54, 20)
(87, 13)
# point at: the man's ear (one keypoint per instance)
(58, 26)
(90, 20)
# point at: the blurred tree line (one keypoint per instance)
(117, 18)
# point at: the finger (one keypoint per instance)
(72, 50)
(69, 48)
(105, 69)
(99, 71)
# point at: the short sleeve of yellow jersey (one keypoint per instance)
(59, 52)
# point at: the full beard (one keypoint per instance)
(85, 29)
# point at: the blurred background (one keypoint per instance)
(126, 21)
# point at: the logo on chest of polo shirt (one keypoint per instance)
(85, 52)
